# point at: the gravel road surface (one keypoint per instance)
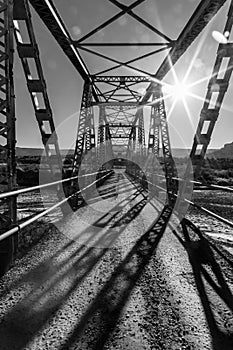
(86, 285)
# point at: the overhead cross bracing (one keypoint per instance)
(176, 47)
(173, 48)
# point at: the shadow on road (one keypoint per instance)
(52, 282)
(210, 282)
(104, 312)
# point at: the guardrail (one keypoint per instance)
(217, 187)
(19, 227)
(210, 213)
(34, 188)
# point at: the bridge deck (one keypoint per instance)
(95, 291)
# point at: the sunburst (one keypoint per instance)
(180, 90)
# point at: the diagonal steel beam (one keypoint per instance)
(51, 18)
(119, 63)
(112, 19)
(204, 12)
(141, 20)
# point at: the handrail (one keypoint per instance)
(38, 216)
(33, 188)
(220, 218)
(218, 187)
(19, 227)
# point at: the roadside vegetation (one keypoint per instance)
(213, 171)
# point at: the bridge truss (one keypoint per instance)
(111, 122)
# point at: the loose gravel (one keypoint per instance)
(85, 286)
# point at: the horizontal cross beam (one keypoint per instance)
(115, 104)
(119, 125)
(121, 79)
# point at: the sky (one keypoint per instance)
(65, 85)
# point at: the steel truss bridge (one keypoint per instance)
(112, 111)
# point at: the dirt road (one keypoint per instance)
(90, 285)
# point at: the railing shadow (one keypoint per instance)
(104, 312)
(208, 273)
(104, 220)
(38, 305)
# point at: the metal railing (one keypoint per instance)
(217, 187)
(22, 225)
(34, 188)
(208, 212)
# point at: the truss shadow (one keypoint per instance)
(210, 281)
(59, 279)
(104, 312)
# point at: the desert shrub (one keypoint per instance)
(27, 178)
(206, 175)
(223, 182)
(28, 160)
(222, 173)
(218, 163)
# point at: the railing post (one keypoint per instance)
(8, 139)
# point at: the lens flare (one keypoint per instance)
(178, 91)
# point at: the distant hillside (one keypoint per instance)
(32, 152)
(180, 152)
(25, 152)
(225, 152)
(184, 152)
(177, 152)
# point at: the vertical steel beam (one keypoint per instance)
(141, 133)
(90, 131)
(7, 131)
(29, 54)
(154, 136)
(153, 164)
(109, 149)
(85, 145)
(169, 165)
(130, 147)
(134, 144)
(104, 149)
(101, 137)
(83, 127)
(217, 88)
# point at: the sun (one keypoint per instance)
(179, 91)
